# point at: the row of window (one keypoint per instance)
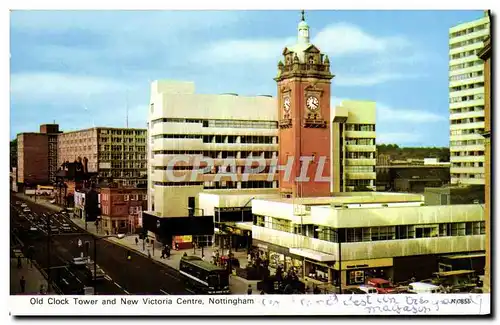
(467, 42)
(462, 55)
(358, 182)
(465, 87)
(243, 124)
(478, 108)
(368, 234)
(123, 132)
(218, 154)
(467, 164)
(465, 76)
(469, 30)
(460, 99)
(466, 142)
(360, 169)
(360, 141)
(360, 155)
(466, 65)
(467, 175)
(103, 157)
(467, 153)
(468, 120)
(467, 131)
(359, 127)
(221, 184)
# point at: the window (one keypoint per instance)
(126, 197)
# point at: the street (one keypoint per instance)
(139, 275)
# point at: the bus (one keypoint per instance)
(204, 277)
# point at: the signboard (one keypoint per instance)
(183, 239)
(139, 219)
(30, 192)
(79, 200)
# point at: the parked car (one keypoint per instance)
(26, 209)
(423, 288)
(65, 228)
(353, 291)
(100, 274)
(23, 205)
(368, 289)
(54, 229)
(382, 285)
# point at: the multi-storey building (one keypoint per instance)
(485, 55)
(52, 131)
(120, 208)
(353, 146)
(466, 88)
(115, 154)
(216, 127)
(32, 159)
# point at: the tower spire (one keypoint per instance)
(302, 14)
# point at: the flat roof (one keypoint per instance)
(352, 197)
(313, 255)
(456, 272)
(464, 256)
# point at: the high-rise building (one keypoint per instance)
(466, 92)
(485, 54)
(116, 154)
(353, 147)
(183, 124)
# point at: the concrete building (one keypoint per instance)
(353, 146)
(464, 194)
(216, 127)
(210, 128)
(120, 208)
(32, 159)
(485, 55)
(466, 94)
(412, 178)
(115, 154)
(364, 235)
(37, 156)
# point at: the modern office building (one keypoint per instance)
(363, 234)
(115, 154)
(205, 130)
(466, 92)
(353, 146)
(485, 55)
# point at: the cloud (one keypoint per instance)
(344, 39)
(398, 137)
(39, 86)
(385, 113)
(371, 79)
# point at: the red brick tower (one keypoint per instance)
(304, 113)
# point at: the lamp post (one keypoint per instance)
(202, 214)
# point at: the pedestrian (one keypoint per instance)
(42, 289)
(19, 263)
(149, 253)
(168, 253)
(136, 241)
(162, 253)
(185, 254)
(262, 292)
(22, 283)
(249, 290)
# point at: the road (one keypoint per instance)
(139, 275)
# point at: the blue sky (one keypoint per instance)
(82, 68)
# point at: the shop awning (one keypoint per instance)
(244, 225)
(312, 254)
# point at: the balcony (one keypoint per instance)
(360, 148)
(361, 175)
(360, 162)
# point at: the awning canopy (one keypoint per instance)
(312, 254)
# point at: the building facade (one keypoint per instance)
(485, 55)
(353, 146)
(52, 132)
(466, 92)
(115, 154)
(120, 208)
(212, 130)
(303, 81)
(32, 159)
(353, 237)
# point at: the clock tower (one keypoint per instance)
(304, 80)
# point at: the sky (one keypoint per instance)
(85, 68)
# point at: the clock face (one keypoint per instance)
(312, 103)
(286, 104)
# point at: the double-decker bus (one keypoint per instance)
(204, 277)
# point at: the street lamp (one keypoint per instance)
(191, 209)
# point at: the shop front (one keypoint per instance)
(357, 272)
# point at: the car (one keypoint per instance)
(100, 274)
(18, 202)
(52, 201)
(54, 229)
(368, 289)
(353, 291)
(24, 205)
(65, 228)
(382, 285)
(26, 209)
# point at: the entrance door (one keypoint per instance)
(191, 205)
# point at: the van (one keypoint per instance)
(368, 289)
(423, 288)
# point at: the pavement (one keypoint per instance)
(32, 275)
(237, 285)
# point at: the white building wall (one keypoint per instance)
(466, 85)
